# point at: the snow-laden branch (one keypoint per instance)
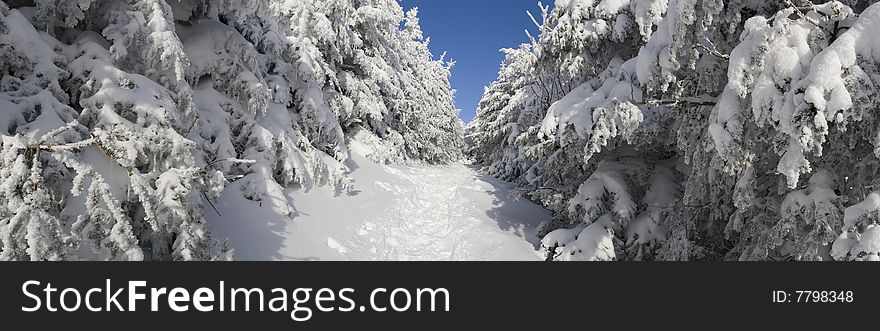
(686, 101)
(56, 132)
(234, 160)
(60, 147)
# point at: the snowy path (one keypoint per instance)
(434, 219)
(397, 213)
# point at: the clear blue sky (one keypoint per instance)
(472, 33)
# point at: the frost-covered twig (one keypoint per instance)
(233, 160)
(688, 101)
(56, 132)
(713, 50)
(537, 25)
(58, 147)
(531, 38)
(800, 13)
(544, 15)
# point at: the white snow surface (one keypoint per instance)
(395, 213)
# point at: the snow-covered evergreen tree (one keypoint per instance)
(124, 120)
(692, 129)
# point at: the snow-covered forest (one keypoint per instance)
(123, 121)
(673, 130)
(693, 129)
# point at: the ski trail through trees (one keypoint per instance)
(396, 213)
(433, 219)
(425, 222)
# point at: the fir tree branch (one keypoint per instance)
(688, 101)
(233, 160)
(58, 147)
(56, 132)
